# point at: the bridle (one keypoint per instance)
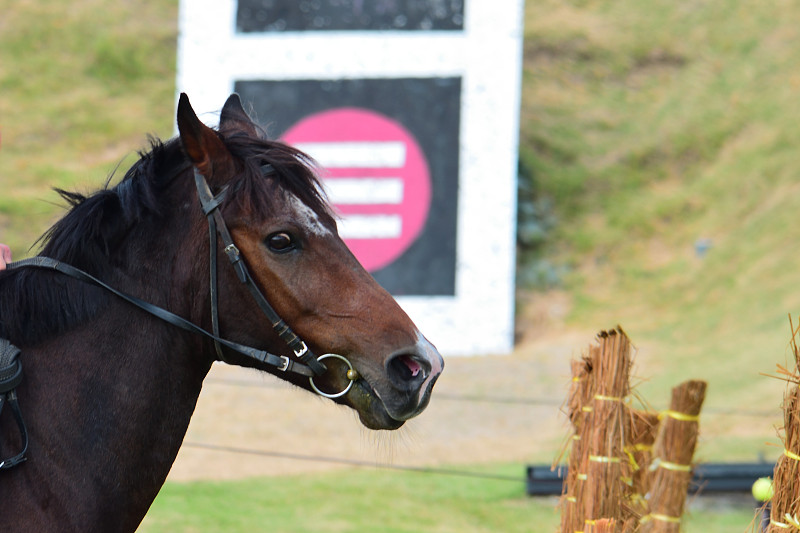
(310, 365)
(307, 365)
(217, 226)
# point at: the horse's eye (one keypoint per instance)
(280, 242)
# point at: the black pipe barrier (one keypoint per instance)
(707, 478)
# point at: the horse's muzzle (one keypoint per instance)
(411, 374)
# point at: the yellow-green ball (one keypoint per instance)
(762, 489)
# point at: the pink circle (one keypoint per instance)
(378, 179)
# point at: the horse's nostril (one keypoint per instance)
(413, 367)
(405, 370)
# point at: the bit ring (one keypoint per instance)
(352, 375)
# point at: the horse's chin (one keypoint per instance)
(370, 408)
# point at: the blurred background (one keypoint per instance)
(658, 189)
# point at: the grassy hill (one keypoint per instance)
(653, 127)
(81, 83)
(646, 128)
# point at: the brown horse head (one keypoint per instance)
(288, 238)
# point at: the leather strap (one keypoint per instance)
(210, 205)
(10, 377)
(280, 362)
(10, 367)
(212, 269)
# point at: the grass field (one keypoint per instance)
(646, 127)
(388, 502)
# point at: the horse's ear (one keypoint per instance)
(201, 143)
(234, 117)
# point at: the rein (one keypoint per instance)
(308, 366)
(281, 362)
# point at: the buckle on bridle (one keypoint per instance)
(232, 252)
(301, 351)
(285, 366)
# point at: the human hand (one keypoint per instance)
(5, 255)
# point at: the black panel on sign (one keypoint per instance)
(254, 16)
(430, 109)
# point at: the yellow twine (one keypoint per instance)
(582, 477)
(679, 416)
(660, 463)
(631, 459)
(778, 524)
(665, 518)
(792, 520)
(587, 409)
(675, 466)
(791, 455)
(572, 499)
(607, 398)
(631, 449)
(603, 459)
(590, 522)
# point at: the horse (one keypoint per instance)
(113, 320)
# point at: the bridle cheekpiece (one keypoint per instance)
(217, 227)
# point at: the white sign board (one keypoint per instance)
(412, 107)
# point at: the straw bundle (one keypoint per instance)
(640, 434)
(619, 454)
(603, 433)
(785, 513)
(580, 388)
(604, 525)
(672, 458)
(579, 394)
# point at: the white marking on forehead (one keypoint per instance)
(307, 217)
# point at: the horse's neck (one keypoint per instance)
(107, 407)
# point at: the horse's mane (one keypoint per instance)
(94, 234)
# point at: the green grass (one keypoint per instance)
(82, 84)
(385, 501)
(347, 501)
